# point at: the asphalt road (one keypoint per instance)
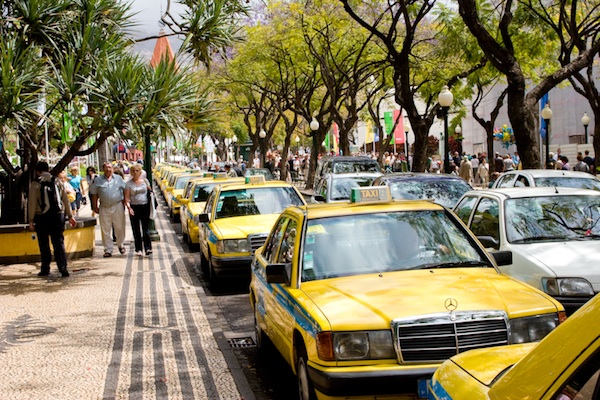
(268, 374)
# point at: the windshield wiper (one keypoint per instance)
(454, 264)
(537, 239)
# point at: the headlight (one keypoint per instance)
(365, 345)
(531, 329)
(567, 287)
(233, 246)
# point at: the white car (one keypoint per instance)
(552, 233)
(547, 177)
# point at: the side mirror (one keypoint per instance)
(488, 241)
(502, 257)
(277, 273)
(169, 189)
(319, 198)
(184, 201)
(204, 217)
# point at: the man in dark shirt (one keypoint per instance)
(498, 163)
(589, 161)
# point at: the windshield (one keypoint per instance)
(564, 181)
(181, 182)
(254, 201)
(342, 167)
(444, 192)
(552, 218)
(342, 187)
(254, 171)
(374, 243)
(201, 192)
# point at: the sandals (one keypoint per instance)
(122, 250)
(107, 254)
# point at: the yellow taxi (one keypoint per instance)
(175, 190)
(169, 179)
(565, 365)
(236, 221)
(367, 298)
(193, 202)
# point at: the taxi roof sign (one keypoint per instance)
(220, 175)
(370, 194)
(255, 180)
(208, 175)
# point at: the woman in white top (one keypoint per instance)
(138, 206)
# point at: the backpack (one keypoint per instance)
(50, 197)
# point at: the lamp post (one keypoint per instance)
(152, 232)
(546, 115)
(445, 99)
(585, 120)
(458, 135)
(262, 135)
(237, 148)
(406, 130)
(297, 144)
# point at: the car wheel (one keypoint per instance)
(263, 343)
(306, 391)
(212, 276)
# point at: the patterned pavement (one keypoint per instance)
(124, 327)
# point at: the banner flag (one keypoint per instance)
(336, 138)
(543, 102)
(399, 129)
(326, 141)
(388, 118)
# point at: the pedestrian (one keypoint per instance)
(581, 165)
(47, 207)
(484, 172)
(90, 175)
(107, 190)
(565, 163)
(71, 195)
(466, 170)
(75, 181)
(494, 177)
(589, 160)
(508, 163)
(498, 163)
(137, 191)
(230, 172)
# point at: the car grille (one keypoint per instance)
(256, 241)
(437, 337)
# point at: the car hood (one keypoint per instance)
(372, 301)
(238, 227)
(575, 258)
(486, 364)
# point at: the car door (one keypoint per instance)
(203, 229)
(486, 219)
(505, 180)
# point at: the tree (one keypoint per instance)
(421, 59)
(496, 30)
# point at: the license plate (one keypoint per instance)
(422, 388)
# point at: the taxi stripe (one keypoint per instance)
(293, 308)
(437, 392)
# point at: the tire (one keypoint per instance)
(212, 277)
(306, 391)
(263, 343)
(203, 264)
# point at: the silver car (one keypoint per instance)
(547, 177)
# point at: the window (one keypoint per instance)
(485, 220)
(288, 244)
(584, 384)
(273, 243)
(464, 209)
(505, 180)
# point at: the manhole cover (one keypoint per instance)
(240, 343)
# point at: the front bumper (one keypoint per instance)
(231, 267)
(382, 381)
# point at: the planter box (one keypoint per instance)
(19, 245)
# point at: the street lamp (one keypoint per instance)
(585, 120)
(445, 99)
(458, 136)
(263, 156)
(297, 144)
(314, 125)
(237, 147)
(406, 130)
(546, 115)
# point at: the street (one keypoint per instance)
(269, 377)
